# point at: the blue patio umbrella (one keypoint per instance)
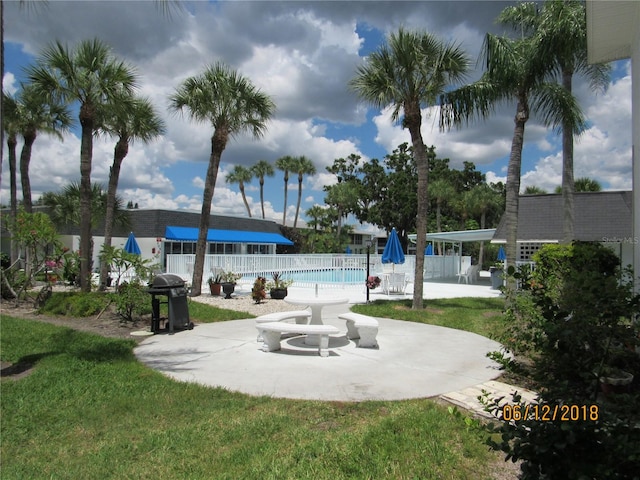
(132, 245)
(501, 255)
(392, 252)
(429, 249)
(348, 250)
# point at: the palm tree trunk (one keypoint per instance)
(286, 183)
(567, 170)
(86, 155)
(295, 221)
(13, 188)
(119, 153)
(413, 121)
(513, 184)
(218, 144)
(244, 198)
(262, 195)
(25, 159)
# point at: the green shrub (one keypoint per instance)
(132, 301)
(574, 316)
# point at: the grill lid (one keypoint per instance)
(167, 280)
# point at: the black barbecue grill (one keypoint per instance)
(171, 286)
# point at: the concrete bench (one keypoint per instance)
(300, 316)
(361, 327)
(271, 333)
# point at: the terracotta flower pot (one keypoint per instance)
(214, 288)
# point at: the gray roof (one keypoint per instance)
(598, 216)
(152, 223)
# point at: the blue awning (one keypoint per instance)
(190, 234)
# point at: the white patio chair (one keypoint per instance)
(467, 275)
(395, 283)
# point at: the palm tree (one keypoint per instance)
(262, 169)
(232, 105)
(561, 29)
(408, 72)
(303, 166)
(64, 206)
(241, 175)
(132, 118)
(585, 184)
(516, 70)
(90, 76)
(37, 113)
(443, 192)
(10, 126)
(285, 164)
(480, 200)
(316, 213)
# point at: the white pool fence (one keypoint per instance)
(252, 266)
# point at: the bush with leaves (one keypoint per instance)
(574, 315)
(132, 301)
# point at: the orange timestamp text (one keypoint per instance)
(549, 413)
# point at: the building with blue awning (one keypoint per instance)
(163, 232)
(190, 234)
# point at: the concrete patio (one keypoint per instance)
(412, 361)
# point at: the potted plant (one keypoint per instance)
(215, 283)
(278, 286)
(229, 280)
(258, 292)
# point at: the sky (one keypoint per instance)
(303, 55)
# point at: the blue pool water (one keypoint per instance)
(340, 275)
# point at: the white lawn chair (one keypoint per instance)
(470, 275)
(394, 283)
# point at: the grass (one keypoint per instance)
(90, 410)
(478, 315)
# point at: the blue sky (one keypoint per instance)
(302, 54)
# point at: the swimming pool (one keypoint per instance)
(338, 275)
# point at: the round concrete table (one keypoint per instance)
(316, 304)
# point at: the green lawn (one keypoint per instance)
(478, 315)
(89, 410)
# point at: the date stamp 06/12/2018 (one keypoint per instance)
(550, 413)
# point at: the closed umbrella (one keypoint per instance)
(501, 255)
(429, 249)
(132, 245)
(392, 252)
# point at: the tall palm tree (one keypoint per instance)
(286, 164)
(131, 118)
(10, 125)
(516, 70)
(262, 169)
(303, 166)
(241, 175)
(561, 29)
(91, 77)
(410, 71)
(37, 112)
(232, 105)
